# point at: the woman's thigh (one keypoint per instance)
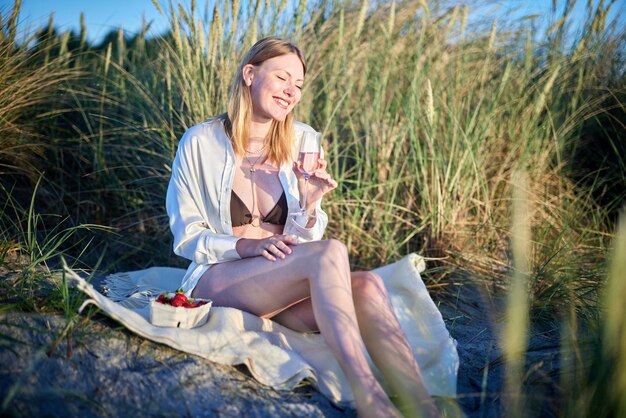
(366, 286)
(298, 317)
(264, 287)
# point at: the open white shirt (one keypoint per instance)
(198, 200)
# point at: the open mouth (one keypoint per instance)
(282, 103)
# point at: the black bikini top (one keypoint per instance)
(240, 214)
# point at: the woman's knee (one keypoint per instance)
(338, 247)
(368, 284)
(334, 258)
(326, 250)
(334, 249)
(328, 245)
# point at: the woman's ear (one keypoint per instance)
(248, 74)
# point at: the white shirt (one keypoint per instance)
(198, 200)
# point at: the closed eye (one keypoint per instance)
(281, 78)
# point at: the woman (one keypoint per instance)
(233, 183)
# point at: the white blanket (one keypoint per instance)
(275, 355)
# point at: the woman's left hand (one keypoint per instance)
(320, 183)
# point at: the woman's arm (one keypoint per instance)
(189, 206)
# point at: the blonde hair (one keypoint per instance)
(237, 121)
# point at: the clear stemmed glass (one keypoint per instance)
(308, 156)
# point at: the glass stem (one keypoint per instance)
(306, 184)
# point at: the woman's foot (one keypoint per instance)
(376, 406)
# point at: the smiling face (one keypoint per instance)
(275, 87)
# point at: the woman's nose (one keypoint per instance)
(290, 90)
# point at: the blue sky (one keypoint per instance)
(101, 16)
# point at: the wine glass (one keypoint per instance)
(308, 161)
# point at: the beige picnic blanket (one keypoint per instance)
(275, 355)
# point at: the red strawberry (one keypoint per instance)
(190, 304)
(179, 299)
(162, 298)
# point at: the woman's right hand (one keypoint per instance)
(276, 246)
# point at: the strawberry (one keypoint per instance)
(179, 299)
(162, 298)
(190, 304)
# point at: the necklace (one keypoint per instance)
(256, 151)
(252, 164)
(252, 171)
(260, 150)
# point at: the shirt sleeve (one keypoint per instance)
(316, 232)
(194, 237)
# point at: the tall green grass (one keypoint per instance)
(426, 117)
(30, 77)
(592, 354)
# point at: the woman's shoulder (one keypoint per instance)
(302, 127)
(209, 131)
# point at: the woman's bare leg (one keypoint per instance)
(388, 346)
(383, 337)
(320, 270)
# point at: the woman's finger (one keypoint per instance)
(267, 255)
(321, 174)
(273, 249)
(284, 248)
(325, 180)
(296, 168)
